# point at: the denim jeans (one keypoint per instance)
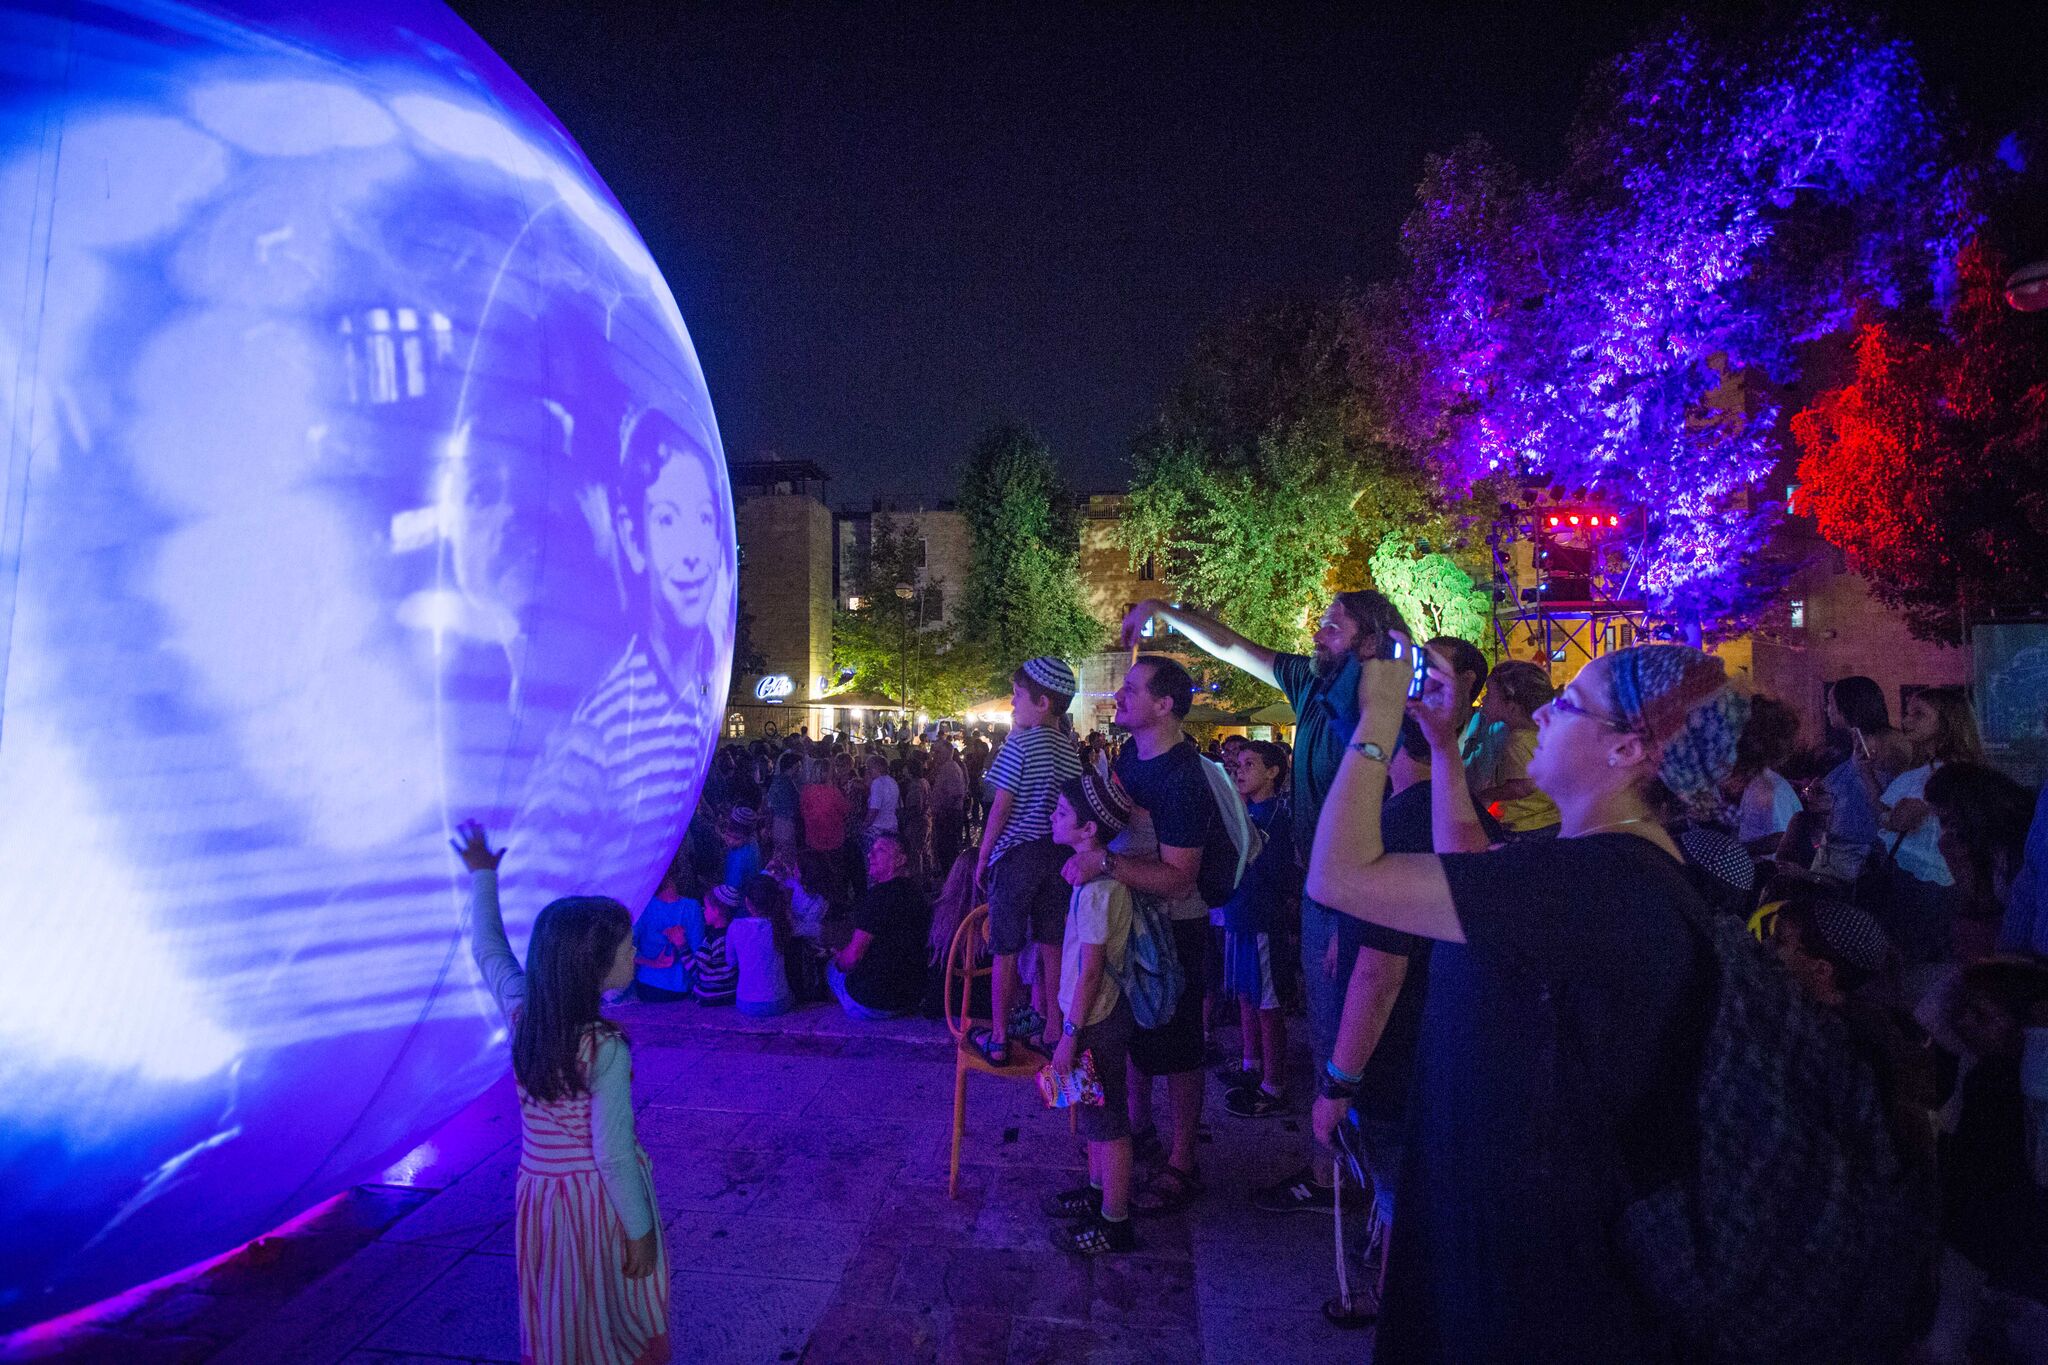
(1324, 993)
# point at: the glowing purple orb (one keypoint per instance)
(359, 478)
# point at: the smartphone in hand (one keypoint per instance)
(1392, 646)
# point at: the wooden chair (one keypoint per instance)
(964, 966)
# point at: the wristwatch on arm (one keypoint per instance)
(1338, 1084)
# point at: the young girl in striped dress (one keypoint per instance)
(593, 1275)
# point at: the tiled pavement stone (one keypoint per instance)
(800, 1171)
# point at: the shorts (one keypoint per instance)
(1176, 1046)
(1027, 896)
(1109, 1042)
(1248, 969)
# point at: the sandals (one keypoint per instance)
(1083, 1201)
(983, 1041)
(1092, 1236)
(1027, 1021)
(1167, 1190)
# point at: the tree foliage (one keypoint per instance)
(1733, 192)
(1267, 481)
(888, 641)
(1023, 590)
(1930, 467)
(1436, 596)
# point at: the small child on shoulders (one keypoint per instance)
(757, 943)
(716, 975)
(1097, 1021)
(667, 932)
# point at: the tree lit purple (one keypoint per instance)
(1729, 198)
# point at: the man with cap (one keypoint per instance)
(1020, 865)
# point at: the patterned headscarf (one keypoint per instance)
(1679, 701)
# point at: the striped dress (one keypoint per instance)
(585, 1187)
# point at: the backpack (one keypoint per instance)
(1151, 977)
(1246, 839)
(1796, 1233)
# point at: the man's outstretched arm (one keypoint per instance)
(1209, 635)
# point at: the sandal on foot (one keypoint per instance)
(1026, 1020)
(1168, 1190)
(1095, 1236)
(994, 1051)
(1353, 1316)
(1083, 1201)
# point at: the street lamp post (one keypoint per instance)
(907, 594)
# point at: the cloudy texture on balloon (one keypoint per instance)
(360, 477)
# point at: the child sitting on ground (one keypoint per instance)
(667, 932)
(740, 835)
(1089, 812)
(757, 943)
(717, 976)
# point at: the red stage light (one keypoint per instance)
(1575, 519)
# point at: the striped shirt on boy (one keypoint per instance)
(1032, 766)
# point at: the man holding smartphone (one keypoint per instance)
(1322, 688)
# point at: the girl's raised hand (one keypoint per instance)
(475, 849)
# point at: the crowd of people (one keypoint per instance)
(1671, 1036)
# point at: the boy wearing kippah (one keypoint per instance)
(1020, 866)
(1089, 811)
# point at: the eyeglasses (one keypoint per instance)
(1563, 702)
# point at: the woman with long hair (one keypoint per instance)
(1567, 1003)
(593, 1274)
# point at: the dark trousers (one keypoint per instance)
(947, 829)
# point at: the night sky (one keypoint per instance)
(888, 228)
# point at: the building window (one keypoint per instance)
(934, 605)
(735, 725)
(1148, 571)
(853, 603)
(1798, 613)
(920, 552)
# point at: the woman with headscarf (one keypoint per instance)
(1568, 999)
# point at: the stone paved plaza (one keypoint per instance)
(801, 1169)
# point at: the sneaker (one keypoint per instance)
(1254, 1102)
(1096, 1237)
(1298, 1193)
(1238, 1077)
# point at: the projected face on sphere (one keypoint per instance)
(363, 479)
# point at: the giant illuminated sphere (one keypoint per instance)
(359, 477)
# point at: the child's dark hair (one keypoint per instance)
(816, 874)
(1849, 941)
(766, 898)
(575, 940)
(1270, 754)
(1059, 701)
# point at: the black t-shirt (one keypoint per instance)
(890, 974)
(1175, 792)
(1405, 827)
(1560, 1050)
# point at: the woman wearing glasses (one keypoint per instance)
(1567, 1003)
